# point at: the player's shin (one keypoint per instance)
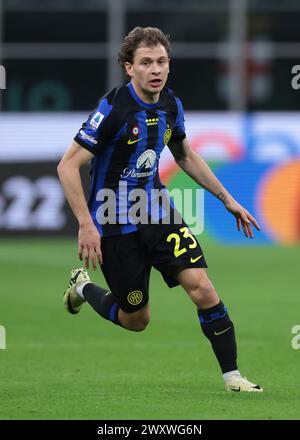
(102, 301)
(219, 329)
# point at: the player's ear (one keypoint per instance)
(128, 68)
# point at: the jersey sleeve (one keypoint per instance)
(178, 133)
(92, 131)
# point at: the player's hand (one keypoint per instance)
(89, 245)
(243, 217)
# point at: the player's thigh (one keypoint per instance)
(126, 270)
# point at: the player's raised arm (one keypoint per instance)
(193, 164)
(69, 175)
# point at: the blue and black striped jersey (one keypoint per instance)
(127, 136)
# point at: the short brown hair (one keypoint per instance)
(148, 36)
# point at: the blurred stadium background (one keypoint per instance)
(232, 64)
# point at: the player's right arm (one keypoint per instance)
(89, 240)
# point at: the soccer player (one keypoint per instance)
(123, 138)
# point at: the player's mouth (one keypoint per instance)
(155, 82)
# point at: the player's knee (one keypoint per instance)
(137, 321)
(144, 319)
(139, 324)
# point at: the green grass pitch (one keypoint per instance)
(58, 366)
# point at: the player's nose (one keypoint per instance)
(156, 69)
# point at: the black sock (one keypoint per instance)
(102, 301)
(219, 329)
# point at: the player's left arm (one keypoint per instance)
(193, 164)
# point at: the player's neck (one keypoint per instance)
(148, 98)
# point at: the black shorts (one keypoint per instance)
(127, 260)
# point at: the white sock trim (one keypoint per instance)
(80, 287)
(229, 374)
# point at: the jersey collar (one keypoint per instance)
(138, 99)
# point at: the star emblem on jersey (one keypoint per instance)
(133, 141)
(152, 121)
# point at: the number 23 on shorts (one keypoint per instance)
(185, 233)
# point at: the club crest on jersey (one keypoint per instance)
(135, 131)
(96, 120)
(167, 136)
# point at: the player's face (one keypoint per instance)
(149, 71)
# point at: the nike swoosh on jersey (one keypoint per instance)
(133, 141)
(220, 333)
(193, 260)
